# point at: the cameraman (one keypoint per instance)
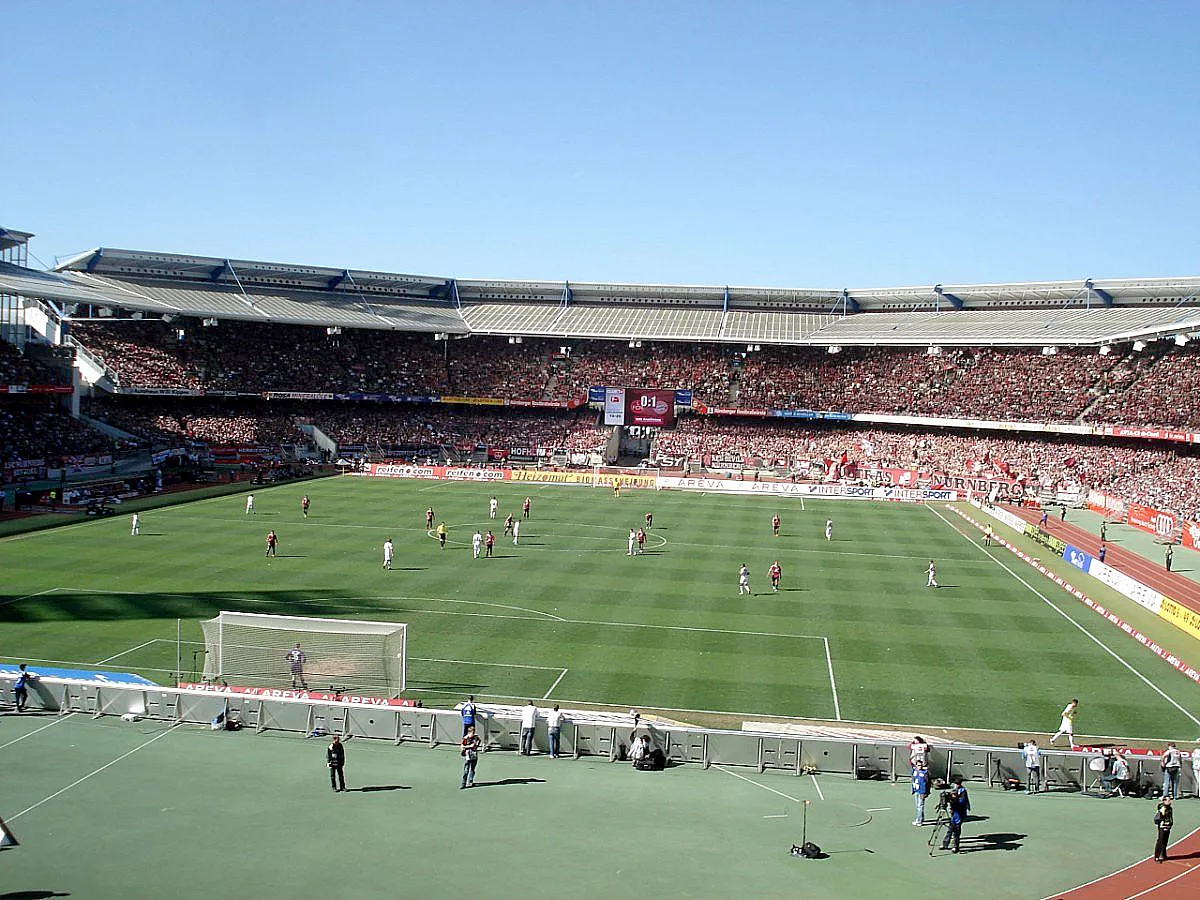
(957, 804)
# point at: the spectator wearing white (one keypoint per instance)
(1033, 767)
(1172, 765)
(918, 752)
(529, 716)
(554, 720)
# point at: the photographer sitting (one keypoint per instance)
(1120, 779)
(639, 752)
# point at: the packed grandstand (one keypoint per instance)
(1034, 390)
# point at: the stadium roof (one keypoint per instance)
(1082, 312)
(10, 238)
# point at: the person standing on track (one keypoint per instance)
(469, 712)
(1168, 558)
(1033, 767)
(1103, 532)
(471, 744)
(1164, 818)
(1067, 725)
(958, 805)
(1196, 769)
(987, 536)
(1103, 553)
(335, 758)
(295, 661)
(21, 687)
(1044, 520)
(1172, 767)
(920, 790)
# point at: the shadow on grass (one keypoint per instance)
(378, 788)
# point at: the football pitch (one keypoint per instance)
(566, 615)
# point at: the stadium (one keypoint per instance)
(1035, 441)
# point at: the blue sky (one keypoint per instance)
(781, 144)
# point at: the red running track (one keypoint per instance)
(1179, 588)
(1175, 879)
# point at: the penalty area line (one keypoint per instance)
(561, 676)
(758, 784)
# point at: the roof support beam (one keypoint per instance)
(94, 261)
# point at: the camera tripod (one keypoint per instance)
(942, 820)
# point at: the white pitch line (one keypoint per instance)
(36, 730)
(1150, 684)
(556, 681)
(784, 816)
(837, 709)
(475, 662)
(30, 596)
(880, 809)
(757, 784)
(123, 652)
(817, 785)
(79, 781)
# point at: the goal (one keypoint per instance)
(340, 655)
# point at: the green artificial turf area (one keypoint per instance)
(854, 633)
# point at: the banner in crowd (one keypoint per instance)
(297, 395)
(541, 476)
(1152, 521)
(37, 389)
(433, 473)
(788, 489)
(596, 394)
(684, 398)
(474, 401)
(1106, 504)
(1002, 487)
(1190, 536)
(158, 391)
(1159, 434)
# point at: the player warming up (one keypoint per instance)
(508, 524)
(525, 507)
(743, 580)
(775, 525)
(492, 505)
(272, 543)
(829, 529)
(388, 552)
(135, 526)
(632, 542)
(1067, 725)
(931, 571)
(304, 505)
(250, 504)
(649, 520)
(489, 543)
(441, 535)
(476, 543)
(641, 541)
(776, 573)
(429, 518)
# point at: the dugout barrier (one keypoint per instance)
(1062, 770)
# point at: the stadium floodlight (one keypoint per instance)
(346, 654)
(833, 348)
(1139, 346)
(332, 330)
(933, 350)
(1105, 349)
(209, 323)
(181, 335)
(1181, 340)
(1049, 350)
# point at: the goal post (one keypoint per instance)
(343, 655)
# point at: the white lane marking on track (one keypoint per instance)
(817, 786)
(757, 784)
(36, 730)
(79, 781)
(1055, 607)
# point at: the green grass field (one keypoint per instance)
(854, 634)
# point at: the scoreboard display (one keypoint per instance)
(639, 406)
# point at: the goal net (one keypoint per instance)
(342, 655)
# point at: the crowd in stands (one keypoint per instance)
(165, 423)
(252, 357)
(1164, 392)
(37, 430)
(428, 427)
(19, 368)
(1164, 477)
(1020, 384)
(992, 383)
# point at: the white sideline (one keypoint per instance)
(553, 686)
(1054, 607)
(837, 709)
(79, 781)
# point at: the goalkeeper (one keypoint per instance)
(295, 659)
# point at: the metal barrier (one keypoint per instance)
(883, 760)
